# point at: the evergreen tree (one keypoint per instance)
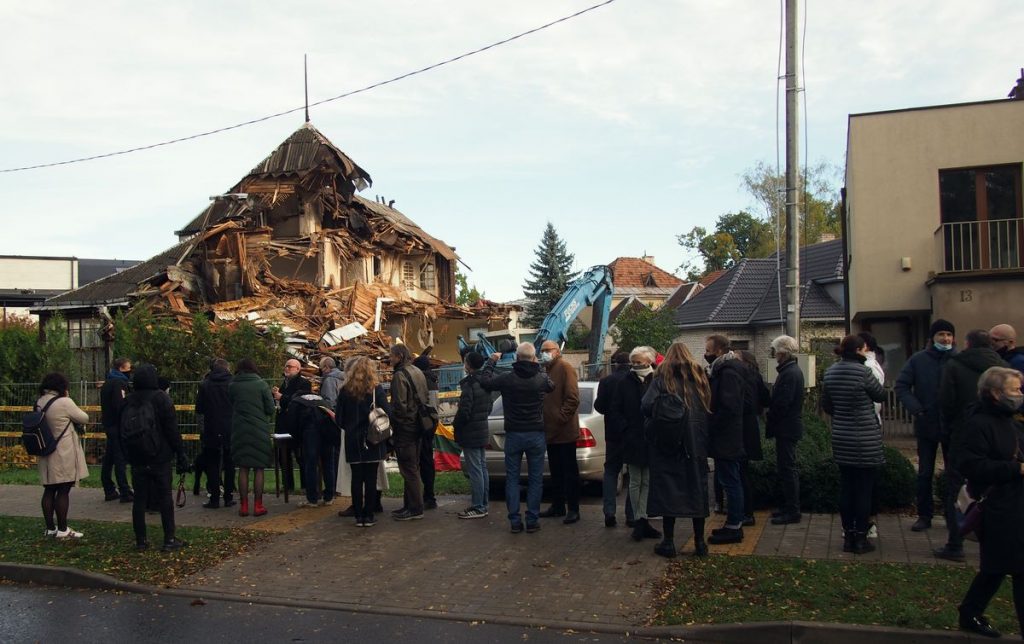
(550, 275)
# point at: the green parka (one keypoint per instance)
(252, 407)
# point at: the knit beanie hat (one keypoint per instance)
(939, 326)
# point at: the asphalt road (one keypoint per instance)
(44, 614)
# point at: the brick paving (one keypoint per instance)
(582, 573)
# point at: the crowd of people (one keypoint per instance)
(665, 417)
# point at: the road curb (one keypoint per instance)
(795, 632)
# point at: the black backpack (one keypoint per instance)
(140, 434)
(667, 426)
(35, 431)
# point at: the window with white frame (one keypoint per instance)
(408, 274)
(428, 276)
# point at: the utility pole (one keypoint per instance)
(793, 188)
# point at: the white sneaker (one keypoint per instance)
(68, 534)
(50, 533)
(328, 502)
(873, 532)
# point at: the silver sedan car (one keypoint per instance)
(590, 448)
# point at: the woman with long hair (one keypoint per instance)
(358, 396)
(65, 466)
(676, 406)
(252, 407)
(849, 393)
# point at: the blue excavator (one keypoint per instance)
(594, 289)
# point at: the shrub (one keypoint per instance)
(819, 474)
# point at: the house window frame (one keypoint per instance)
(980, 240)
(428, 276)
(408, 274)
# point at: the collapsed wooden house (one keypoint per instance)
(292, 244)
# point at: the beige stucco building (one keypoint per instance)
(933, 221)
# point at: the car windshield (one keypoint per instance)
(586, 402)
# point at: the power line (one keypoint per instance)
(367, 88)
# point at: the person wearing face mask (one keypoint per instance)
(917, 388)
(1004, 341)
(848, 393)
(991, 459)
(562, 429)
(957, 392)
(636, 451)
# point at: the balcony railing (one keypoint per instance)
(980, 245)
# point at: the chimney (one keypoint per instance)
(648, 258)
(1018, 90)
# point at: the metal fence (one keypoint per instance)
(980, 245)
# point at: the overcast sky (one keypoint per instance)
(624, 127)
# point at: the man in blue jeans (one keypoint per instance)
(725, 432)
(522, 394)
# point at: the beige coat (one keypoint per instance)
(561, 417)
(67, 463)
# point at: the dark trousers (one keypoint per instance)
(612, 468)
(329, 470)
(789, 478)
(364, 488)
(727, 472)
(311, 444)
(427, 473)
(407, 449)
(155, 481)
(113, 461)
(220, 472)
(748, 492)
(927, 449)
(984, 588)
(856, 489)
(565, 476)
(954, 480)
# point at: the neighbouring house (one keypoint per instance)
(746, 303)
(933, 221)
(292, 244)
(27, 280)
(639, 278)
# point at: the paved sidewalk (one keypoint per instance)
(583, 573)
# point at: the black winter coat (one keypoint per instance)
(290, 388)
(353, 416)
(990, 458)
(213, 403)
(309, 413)
(614, 424)
(755, 399)
(849, 393)
(112, 395)
(679, 479)
(522, 394)
(785, 411)
(917, 387)
(147, 389)
(470, 423)
(626, 404)
(728, 391)
(959, 388)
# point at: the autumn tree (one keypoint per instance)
(550, 275)
(464, 293)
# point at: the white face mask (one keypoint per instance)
(546, 357)
(643, 372)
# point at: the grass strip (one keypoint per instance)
(725, 590)
(109, 548)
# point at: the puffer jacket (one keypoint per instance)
(959, 387)
(214, 404)
(728, 393)
(917, 387)
(849, 391)
(470, 421)
(522, 394)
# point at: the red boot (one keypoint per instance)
(243, 507)
(258, 509)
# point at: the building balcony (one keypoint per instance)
(980, 246)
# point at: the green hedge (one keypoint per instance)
(819, 475)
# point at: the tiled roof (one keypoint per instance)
(748, 293)
(628, 304)
(711, 277)
(638, 273)
(682, 293)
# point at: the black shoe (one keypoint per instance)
(861, 545)
(638, 530)
(532, 527)
(173, 544)
(516, 528)
(552, 512)
(748, 521)
(650, 532)
(950, 554)
(127, 498)
(722, 530)
(369, 521)
(398, 511)
(430, 504)
(630, 523)
(786, 519)
(228, 502)
(777, 514)
(609, 521)
(727, 535)
(212, 504)
(407, 516)
(141, 546)
(195, 488)
(350, 511)
(978, 624)
(847, 541)
(666, 549)
(378, 508)
(572, 516)
(111, 496)
(700, 549)
(922, 524)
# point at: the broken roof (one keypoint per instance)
(634, 272)
(748, 293)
